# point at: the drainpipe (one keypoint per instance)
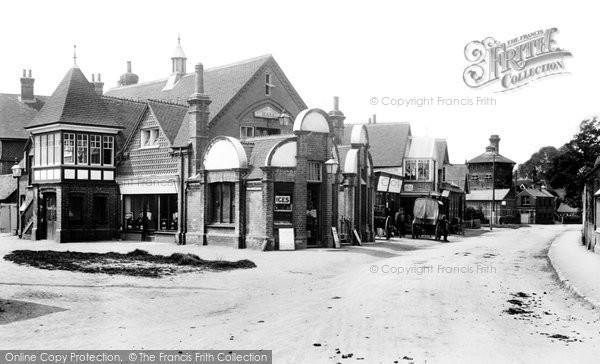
(182, 194)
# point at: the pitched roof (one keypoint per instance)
(441, 146)
(259, 148)
(8, 185)
(486, 195)
(488, 157)
(221, 84)
(169, 116)
(456, 173)
(127, 113)
(14, 114)
(74, 102)
(387, 142)
(422, 147)
(536, 192)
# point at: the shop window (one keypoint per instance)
(100, 209)
(76, 209)
(149, 138)
(108, 148)
(246, 132)
(82, 149)
(283, 208)
(222, 208)
(168, 212)
(135, 207)
(314, 172)
(95, 149)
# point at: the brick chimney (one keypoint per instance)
(97, 84)
(337, 118)
(374, 119)
(495, 142)
(27, 94)
(198, 124)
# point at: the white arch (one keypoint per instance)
(315, 120)
(225, 153)
(359, 135)
(350, 164)
(283, 154)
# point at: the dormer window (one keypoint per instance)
(149, 138)
(268, 84)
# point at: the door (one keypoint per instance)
(313, 213)
(525, 217)
(50, 211)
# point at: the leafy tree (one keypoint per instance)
(538, 165)
(575, 160)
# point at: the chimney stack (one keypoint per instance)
(495, 142)
(369, 122)
(97, 84)
(27, 81)
(374, 119)
(198, 121)
(129, 66)
(337, 119)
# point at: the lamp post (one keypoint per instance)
(332, 170)
(493, 210)
(16, 172)
(284, 118)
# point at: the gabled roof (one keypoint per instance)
(535, 192)
(127, 113)
(488, 157)
(169, 116)
(422, 147)
(14, 114)
(74, 102)
(486, 195)
(221, 84)
(441, 146)
(388, 142)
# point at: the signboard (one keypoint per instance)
(383, 184)
(267, 112)
(408, 188)
(286, 239)
(395, 185)
(445, 193)
(282, 200)
(336, 237)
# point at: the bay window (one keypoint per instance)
(109, 145)
(69, 149)
(82, 149)
(95, 149)
(417, 169)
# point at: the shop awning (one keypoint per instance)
(597, 193)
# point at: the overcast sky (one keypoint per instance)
(354, 50)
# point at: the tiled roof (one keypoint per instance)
(422, 147)
(488, 157)
(486, 195)
(74, 102)
(387, 142)
(536, 193)
(8, 185)
(170, 117)
(456, 173)
(221, 84)
(259, 150)
(14, 114)
(127, 113)
(441, 146)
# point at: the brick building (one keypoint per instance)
(536, 206)
(488, 172)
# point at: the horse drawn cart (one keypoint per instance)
(428, 219)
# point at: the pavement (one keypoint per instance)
(577, 267)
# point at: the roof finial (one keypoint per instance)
(74, 54)
(178, 38)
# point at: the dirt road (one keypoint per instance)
(488, 298)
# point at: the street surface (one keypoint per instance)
(489, 297)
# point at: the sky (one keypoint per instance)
(358, 51)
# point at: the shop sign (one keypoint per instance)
(282, 200)
(267, 112)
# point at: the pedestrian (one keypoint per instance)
(443, 227)
(144, 227)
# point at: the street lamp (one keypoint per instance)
(284, 118)
(332, 166)
(16, 172)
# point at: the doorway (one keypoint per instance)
(313, 214)
(49, 215)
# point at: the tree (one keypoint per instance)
(538, 165)
(575, 160)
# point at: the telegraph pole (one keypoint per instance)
(493, 207)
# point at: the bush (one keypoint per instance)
(472, 213)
